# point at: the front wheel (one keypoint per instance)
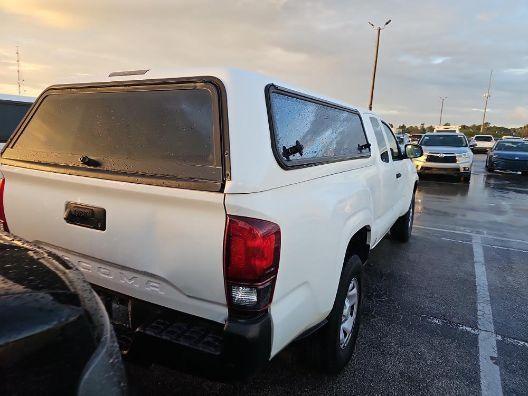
(337, 339)
(402, 228)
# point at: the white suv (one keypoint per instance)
(482, 143)
(446, 154)
(217, 212)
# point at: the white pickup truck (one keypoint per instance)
(219, 213)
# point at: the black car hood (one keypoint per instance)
(33, 294)
(45, 327)
(21, 272)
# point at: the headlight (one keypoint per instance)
(462, 157)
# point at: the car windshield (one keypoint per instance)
(521, 146)
(444, 140)
(484, 138)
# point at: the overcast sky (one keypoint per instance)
(432, 48)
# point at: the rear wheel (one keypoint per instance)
(336, 340)
(402, 228)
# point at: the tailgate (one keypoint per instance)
(125, 179)
(162, 245)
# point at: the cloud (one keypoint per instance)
(436, 60)
(43, 14)
(430, 49)
(520, 113)
(388, 112)
(414, 60)
(485, 16)
(517, 71)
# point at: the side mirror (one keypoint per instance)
(413, 150)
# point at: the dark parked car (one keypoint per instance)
(55, 336)
(508, 155)
(12, 110)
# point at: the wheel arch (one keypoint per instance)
(359, 244)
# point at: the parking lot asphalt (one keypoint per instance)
(446, 313)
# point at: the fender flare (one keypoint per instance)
(354, 224)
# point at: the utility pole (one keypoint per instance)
(378, 29)
(19, 82)
(443, 98)
(486, 98)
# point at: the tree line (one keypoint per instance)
(470, 130)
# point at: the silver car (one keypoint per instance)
(445, 153)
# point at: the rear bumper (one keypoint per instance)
(235, 350)
(481, 149)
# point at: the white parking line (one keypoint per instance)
(484, 244)
(490, 380)
(470, 233)
(472, 330)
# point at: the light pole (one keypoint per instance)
(378, 29)
(486, 97)
(443, 98)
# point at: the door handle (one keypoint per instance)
(398, 175)
(85, 216)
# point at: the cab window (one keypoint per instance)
(380, 139)
(393, 144)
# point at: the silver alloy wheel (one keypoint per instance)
(348, 318)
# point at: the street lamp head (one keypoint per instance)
(371, 24)
(389, 21)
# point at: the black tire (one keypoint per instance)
(466, 179)
(330, 354)
(402, 228)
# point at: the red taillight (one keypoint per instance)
(252, 250)
(3, 221)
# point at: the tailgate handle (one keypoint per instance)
(85, 216)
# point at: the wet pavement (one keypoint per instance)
(446, 313)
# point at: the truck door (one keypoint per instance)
(386, 175)
(399, 173)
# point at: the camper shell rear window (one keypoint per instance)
(166, 133)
